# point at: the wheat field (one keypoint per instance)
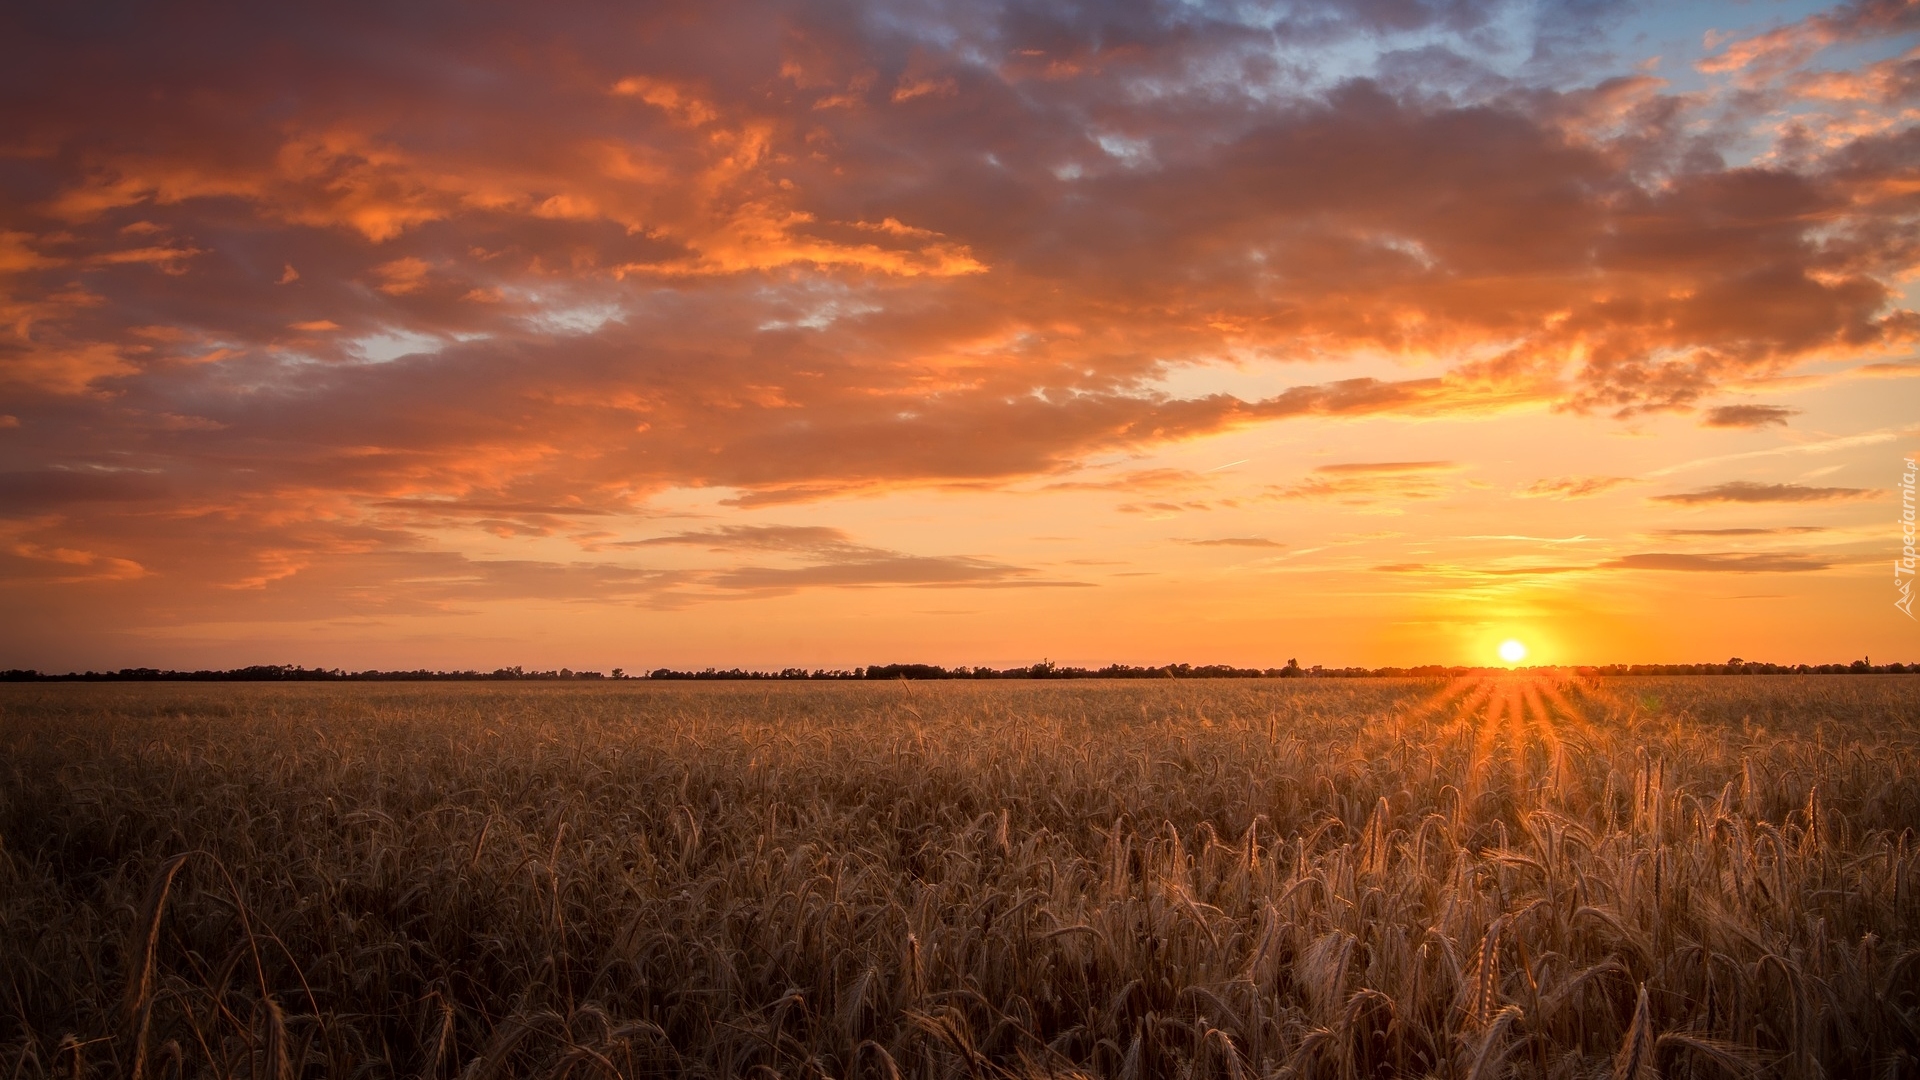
(1496, 876)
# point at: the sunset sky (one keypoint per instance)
(823, 334)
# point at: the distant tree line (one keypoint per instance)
(1045, 669)
(296, 673)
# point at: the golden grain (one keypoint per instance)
(1495, 877)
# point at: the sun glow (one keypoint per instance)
(1513, 650)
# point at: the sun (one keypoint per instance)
(1513, 650)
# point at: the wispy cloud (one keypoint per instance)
(1572, 487)
(1746, 491)
(1139, 480)
(905, 570)
(1236, 541)
(835, 560)
(1367, 481)
(812, 539)
(1393, 468)
(1823, 446)
(1580, 539)
(1784, 530)
(1461, 570)
(1734, 563)
(1895, 369)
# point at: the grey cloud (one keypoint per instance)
(1757, 563)
(883, 569)
(1746, 491)
(1784, 530)
(35, 491)
(836, 562)
(1747, 416)
(803, 538)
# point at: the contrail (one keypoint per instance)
(1826, 447)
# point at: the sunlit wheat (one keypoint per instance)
(1513, 875)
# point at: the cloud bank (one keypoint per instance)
(297, 293)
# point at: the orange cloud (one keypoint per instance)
(1369, 481)
(1572, 487)
(1236, 541)
(674, 100)
(402, 276)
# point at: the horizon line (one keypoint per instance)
(1044, 670)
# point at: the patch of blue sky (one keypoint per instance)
(1672, 37)
(1502, 45)
(948, 27)
(1562, 45)
(1556, 43)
